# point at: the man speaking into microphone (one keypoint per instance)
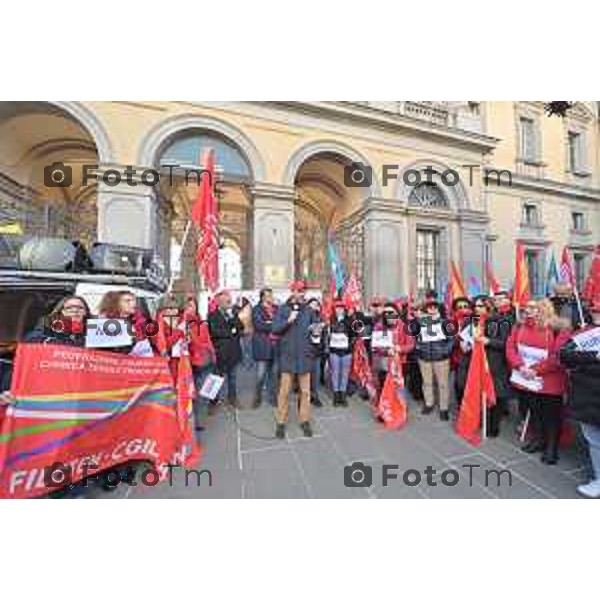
(292, 323)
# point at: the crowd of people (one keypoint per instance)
(306, 343)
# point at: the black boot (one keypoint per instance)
(306, 429)
(343, 399)
(336, 398)
(316, 401)
(280, 431)
(257, 399)
(444, 415)
(426, 409)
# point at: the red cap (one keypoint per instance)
(297, 286)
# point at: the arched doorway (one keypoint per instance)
(327, 209)
(177, 193)
(43, 148)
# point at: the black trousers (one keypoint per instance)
(546, 418)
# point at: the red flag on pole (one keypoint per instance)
(205, 216)
(361, 369)
(565, 269)
(591, 288)
(392, 406)
(521, 293)
(478, 390)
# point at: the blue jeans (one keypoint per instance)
(315, 376)
(339, 366)
(200, 374)
(230, 384)
(592, 436)
(266, 376)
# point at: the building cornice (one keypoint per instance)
(548, 186)
(390, 121)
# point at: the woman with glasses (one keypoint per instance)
(532, 351)
(65, 325)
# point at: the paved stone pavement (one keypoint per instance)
(246, 461)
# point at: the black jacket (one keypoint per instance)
(584, 383)
(344, 326)
(497, 330)
(225, 332)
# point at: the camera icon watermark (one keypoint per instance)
(58, 175)
(58, 475)
(358, 475)
(358, 174)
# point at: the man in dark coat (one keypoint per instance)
(264, 347)
(225, 331)
(293, 322)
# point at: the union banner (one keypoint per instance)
(82, 407)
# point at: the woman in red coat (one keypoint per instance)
(532, 351)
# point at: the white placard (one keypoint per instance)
(432, 332)
(211, 386)
(97, 338)
(339, 341)
(531, 355)
(588, 341)
(382, 339)
(466, 335)
(143, 349)
(534, 385)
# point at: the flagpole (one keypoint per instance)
(579, 307)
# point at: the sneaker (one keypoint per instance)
(426, 409)
(280, 431)
(591, 489)
(306, 429)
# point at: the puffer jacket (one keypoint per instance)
(433, 351)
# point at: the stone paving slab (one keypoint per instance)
(247, 461)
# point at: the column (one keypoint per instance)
(273, 235)
(127, 214)
(385, 234)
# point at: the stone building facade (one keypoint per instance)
(490, 173)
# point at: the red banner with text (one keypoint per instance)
(85, 411)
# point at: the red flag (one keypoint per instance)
(521, 293)
(361, 369)
(479, 389)
(352, 297)
(565, 270)
(493, 284)
(457, 287)
(205, 216)
(392, 406)
(591, 288)
(186, 390)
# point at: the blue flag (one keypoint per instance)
(337, 268)
(552, 278)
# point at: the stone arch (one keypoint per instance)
(156, 139)
(457, 195)
(310, 149)
(90, 121)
